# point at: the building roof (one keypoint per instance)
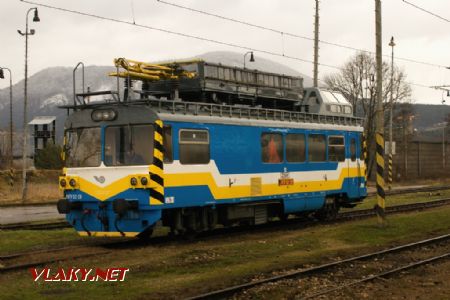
(42, 120)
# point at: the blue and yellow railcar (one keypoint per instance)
(190, 166)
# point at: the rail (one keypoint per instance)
(232, 291)
(160, 240)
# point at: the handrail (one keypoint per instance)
(73, 78)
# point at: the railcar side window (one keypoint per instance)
(226, 73)
(211, 71)
(317, 148)
(260, 79)
(194, 146)
(221, 76)
(129, 145)
(276, 81)
(272, 148)
(251, 78)
(238, 76)
(353, 149)
(83, 147)
(295, 148)
(336, 148)
(167, 141)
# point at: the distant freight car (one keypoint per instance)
(221, 84)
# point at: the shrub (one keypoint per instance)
(49, 157)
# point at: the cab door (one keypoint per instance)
(354, 165)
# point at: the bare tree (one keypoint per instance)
(356, 81)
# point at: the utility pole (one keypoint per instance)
(447, 89)
(11, 156)
(443, 141)
(380, 207)
(316, 46)
(391, 108)
(25, 123)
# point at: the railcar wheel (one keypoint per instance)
(329, 211)
(190, 235)
(145, 235)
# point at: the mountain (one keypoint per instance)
(428, 116)
(52, 87)
(47, 89)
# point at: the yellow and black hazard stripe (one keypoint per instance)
(157, 168)
(390, 171)
(365, 157)
(380, 177)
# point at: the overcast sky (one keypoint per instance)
(63, 39)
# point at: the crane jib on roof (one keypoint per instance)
(146, 71)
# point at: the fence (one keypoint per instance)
(423, 160)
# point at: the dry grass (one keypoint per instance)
(37, 193)
(181, 269)
(42, 187)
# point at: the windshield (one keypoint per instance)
(129, 145)
(83, 147)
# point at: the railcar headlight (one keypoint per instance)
(72, 182)
(133, 181)
(144, 181)
(103, 115)
(63, 183)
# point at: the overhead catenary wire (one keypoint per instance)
(283, 33)
(191, 36)
(427, 11)
(178, 33)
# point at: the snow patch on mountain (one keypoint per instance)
(54, 101)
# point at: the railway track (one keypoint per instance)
(239, 291)
(59, 224)
(413, 190)
(105, 247)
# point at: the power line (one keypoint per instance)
(188, 36)
(427, 11)
(178, 33)
(282, 33)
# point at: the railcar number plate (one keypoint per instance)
(286, 181)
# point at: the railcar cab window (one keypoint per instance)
(272, 148)
(194, 146)
(317, 151)
(129, 145)
(336, 148)
(295, 148)
(83, 147)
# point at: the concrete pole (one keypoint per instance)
(380, 208)
(25, 121)
(11, 130)
(443, 145)
(391, 108)
(316, 46)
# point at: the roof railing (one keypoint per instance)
(242, 112)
